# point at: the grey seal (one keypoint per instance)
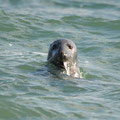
(63, 55)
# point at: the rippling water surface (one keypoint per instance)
(27, 27)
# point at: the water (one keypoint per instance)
(27, 27)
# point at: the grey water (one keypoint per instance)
(27, 27)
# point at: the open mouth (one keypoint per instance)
(60, 64)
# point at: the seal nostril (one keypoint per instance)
(62, 54)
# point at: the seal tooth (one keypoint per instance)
(66, 68)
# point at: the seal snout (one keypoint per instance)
(64, 51)
(63, 55)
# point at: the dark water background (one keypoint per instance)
(27, 27)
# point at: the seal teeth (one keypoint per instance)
(67, 68)
(65, 65)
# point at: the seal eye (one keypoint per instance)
(54, 46)
(69, 46)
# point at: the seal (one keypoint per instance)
(63, 54)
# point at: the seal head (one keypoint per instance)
(63, 54)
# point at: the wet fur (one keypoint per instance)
(63, 55)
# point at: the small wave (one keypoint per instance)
(40, 53)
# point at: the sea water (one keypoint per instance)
(27, 27)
